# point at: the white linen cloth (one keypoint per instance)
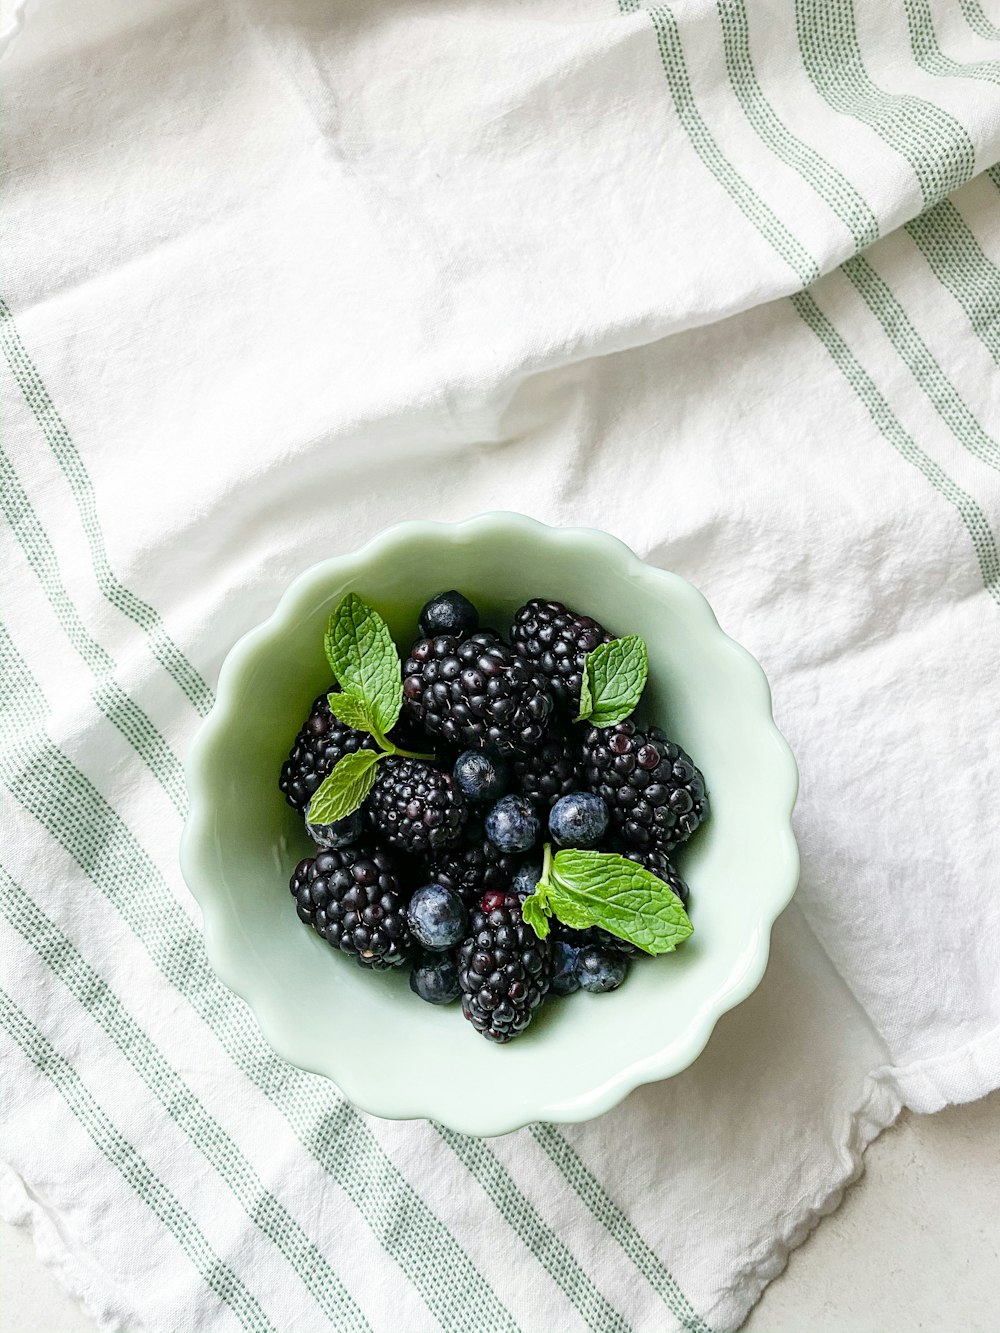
(277, 273)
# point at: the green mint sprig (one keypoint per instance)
(338, 796)
(584, 888)
(614, 677)
(365, 664)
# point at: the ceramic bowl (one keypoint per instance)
(390, 1053)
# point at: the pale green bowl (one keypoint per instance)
(390, 1053)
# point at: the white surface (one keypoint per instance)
(914, 1248)
(292, 270)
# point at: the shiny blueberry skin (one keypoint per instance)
(482, 775)
(526, 878)
(512, 824)
(564, 962)
(578, 820)
(341, 833)
(448, 613)
(598, 970)
(435, 978)
(437, 917)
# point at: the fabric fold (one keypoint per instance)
(721, 279)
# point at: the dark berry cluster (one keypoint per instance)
(552, 770)
(473, 869)
(356, 900)
(473, 692)
(555, 641)
(655, 795)
(431, 870)
(504, 969)
(414, 807)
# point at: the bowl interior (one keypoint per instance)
(389, 1052)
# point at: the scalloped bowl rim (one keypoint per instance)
(684, 1049)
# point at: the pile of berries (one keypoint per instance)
(431, 872)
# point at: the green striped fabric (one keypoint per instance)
(107, 1140)
(977, 20)
(180, 1103)
(937, 146)
(58, 439)
(720, 279)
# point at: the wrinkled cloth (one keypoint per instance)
(721, 279)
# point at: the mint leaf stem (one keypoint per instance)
(535, 909)
(390, 748)
(546, 863)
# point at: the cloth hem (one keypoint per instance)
(18, 1208)
(15, 25)
(924, 1087)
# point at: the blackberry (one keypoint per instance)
(654, 793)
(472, 871)
(321, 743)
(353, 898)
(474, 692)
(555, 641)
(415, 807)
(552, 770)
(504, 969)
(659, 864)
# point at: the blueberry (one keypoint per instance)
(512, 824)
(481, 774)
(435, 978)
(437, 917)
(448, 613)
(564, 963)
(599, 970)
(527, 876)
(341, 833)
(578, 820)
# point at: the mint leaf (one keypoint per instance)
(607, 890)
(364, 660)
(535, 915)
(586, 698)
(345, 788)
(614, 679)
(353, 711)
